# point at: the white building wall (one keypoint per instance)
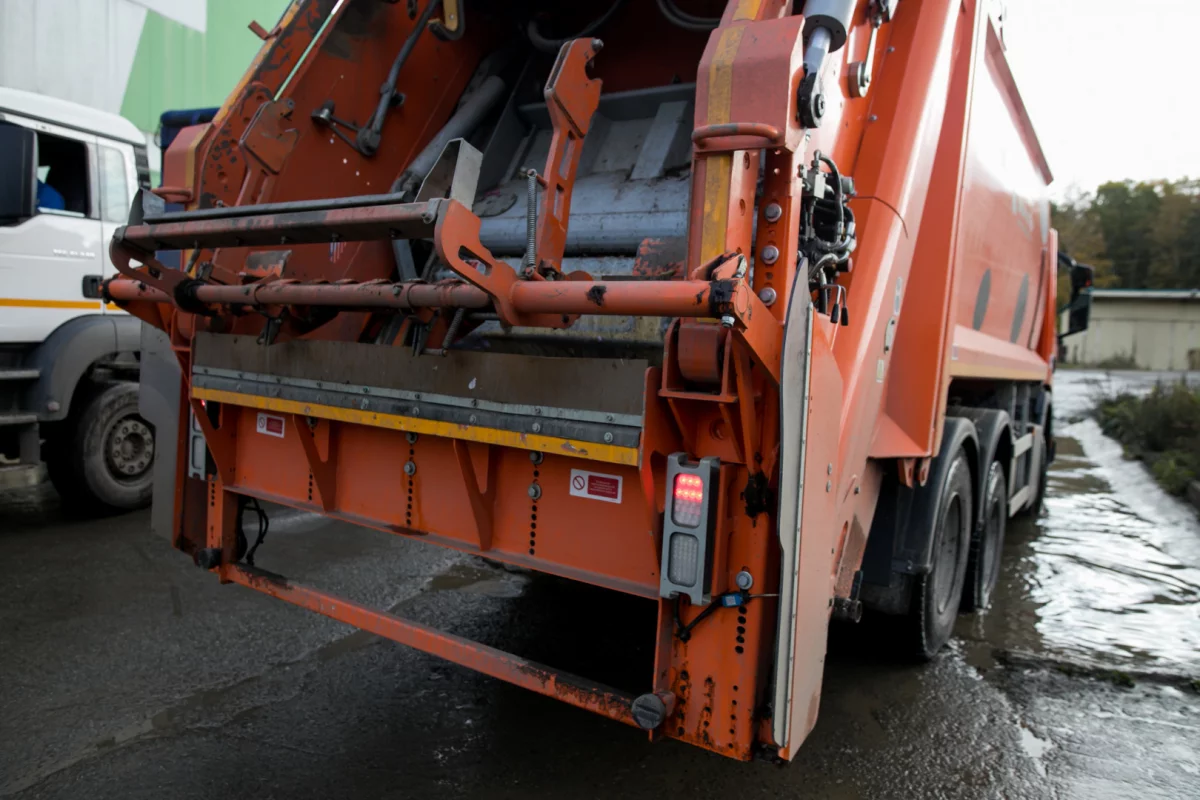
(1155, 333)
(80, 50)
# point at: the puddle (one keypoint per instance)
(479, 578)
(1110, 573)
(1035, 747)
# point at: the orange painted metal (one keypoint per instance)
(935, 219)
(599, 699)
(572, 98)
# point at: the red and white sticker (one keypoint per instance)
(270, 424)
(596, 486)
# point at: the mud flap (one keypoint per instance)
(810, 405)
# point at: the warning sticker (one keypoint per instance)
(596, 486)
(270, 424)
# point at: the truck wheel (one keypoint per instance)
(987, 544)
(102, 458)
(1034, 509)
(937, 594)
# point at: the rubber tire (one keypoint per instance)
(75, 458)
(987, 543)
(931, 626)
(1034, 509)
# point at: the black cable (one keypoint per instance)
(368, 138)
(554, 45)
(682, 19)
(264, 523)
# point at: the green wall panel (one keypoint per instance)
(176, 67)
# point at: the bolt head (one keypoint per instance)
(727, 321)
(768, 296)
(535, 457)
(744, 580)
(535, 491)
(773, 212)
(53, 405)
(770, 254)
(411, 436)
(537, 427)
(608, 437)
(410, 468)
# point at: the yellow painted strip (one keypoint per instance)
(591, 451)
(747, 9)
(719, 168)
(9, 302)
(959, 369)
(717, 175)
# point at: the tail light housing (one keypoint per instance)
(689, 529)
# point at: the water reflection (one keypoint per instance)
(1109, 574)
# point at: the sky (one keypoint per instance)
(1109, 86)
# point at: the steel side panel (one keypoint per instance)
(1004, 215)
(793, 418)
(813, 566)
(605, 385)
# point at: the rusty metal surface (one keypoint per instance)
(580, 692)
(571, 98)
(605, 385)
(403, 221)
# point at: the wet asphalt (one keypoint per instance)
(128, 673)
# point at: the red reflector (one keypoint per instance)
(688, 500)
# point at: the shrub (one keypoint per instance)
(1162, 429)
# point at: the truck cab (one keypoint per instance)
(68, 361)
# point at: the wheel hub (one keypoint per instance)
(944, 570)
(130, 447)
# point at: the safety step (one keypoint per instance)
(17, 419)
(20, 374)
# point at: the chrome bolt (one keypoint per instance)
(53, 405)
(767, 296)
(410, 468)
(416, 411)
(411, 436)
(770, 254)
(535, 491)
(608, 437)
(773, 212)
(744, 580)
(829, 468)
(537, 427)
(535, 457)
(829, 486)
(471, 419)
(727, 321)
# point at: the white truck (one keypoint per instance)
(69, 362)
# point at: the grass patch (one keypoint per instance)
(1162, 429)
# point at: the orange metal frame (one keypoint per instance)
(906, 143)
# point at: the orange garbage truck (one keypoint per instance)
(745, 308)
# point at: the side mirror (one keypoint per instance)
(18, 170)
(1081, 302)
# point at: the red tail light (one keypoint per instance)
(687, 500)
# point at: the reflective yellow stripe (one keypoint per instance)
(591, 451)
(11, 302)
(719, 168)
(747, 9)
